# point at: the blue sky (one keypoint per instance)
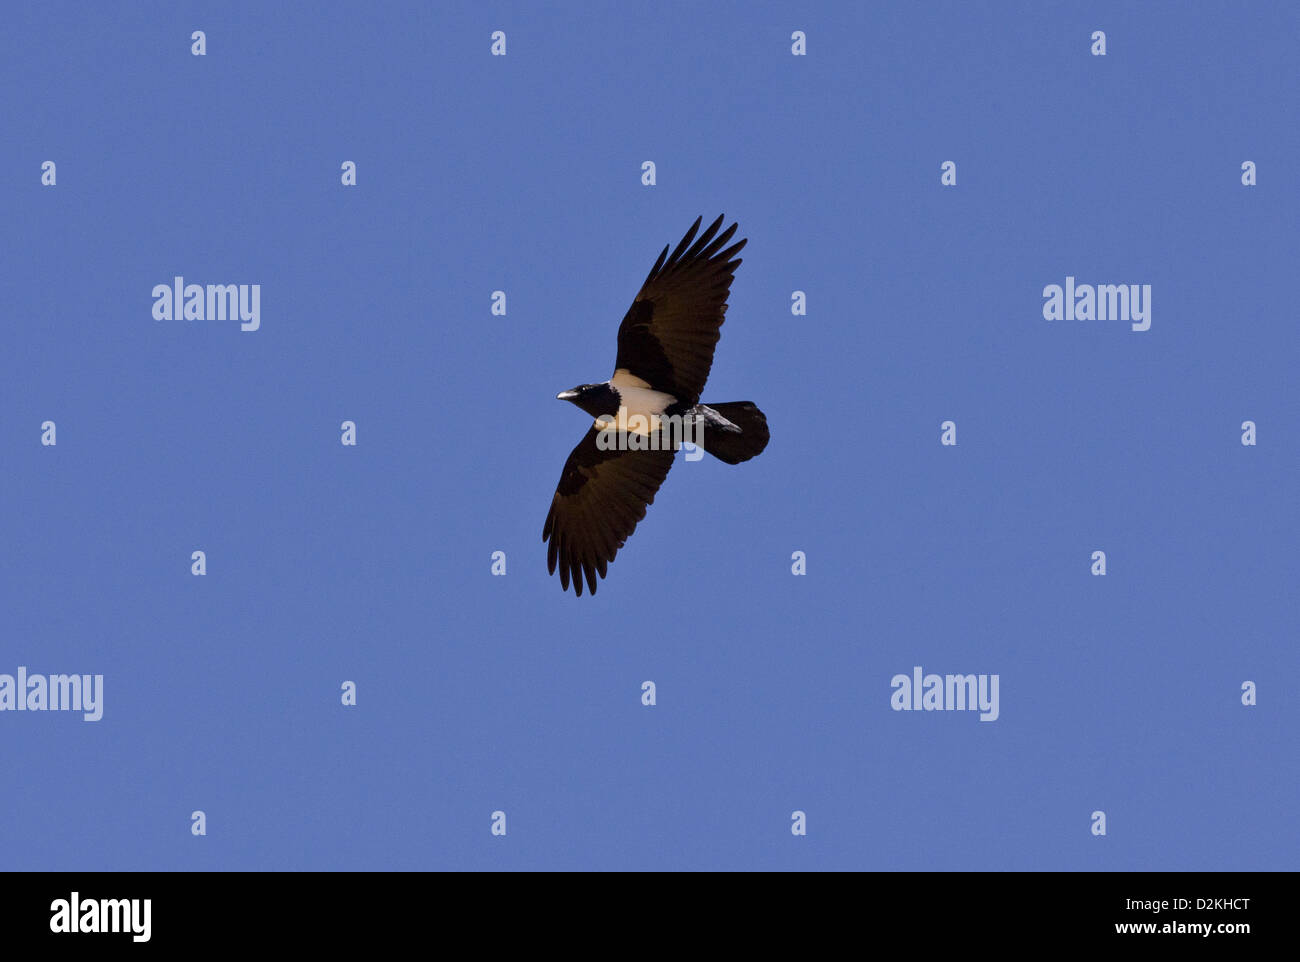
(522, 173)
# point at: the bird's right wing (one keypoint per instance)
(668, 334)
(598, 502)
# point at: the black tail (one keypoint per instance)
(727, 444)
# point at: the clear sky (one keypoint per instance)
(372, 563)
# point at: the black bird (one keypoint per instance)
(665, 350)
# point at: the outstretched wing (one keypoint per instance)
(668, 334)
(598, 502)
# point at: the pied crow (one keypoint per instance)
(665, 350)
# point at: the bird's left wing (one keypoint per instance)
(598, 502)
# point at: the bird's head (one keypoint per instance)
(598, 400)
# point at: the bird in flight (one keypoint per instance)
(665, 351)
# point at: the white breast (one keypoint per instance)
(640, 399)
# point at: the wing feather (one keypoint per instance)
(668, 335)
(601, 497)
